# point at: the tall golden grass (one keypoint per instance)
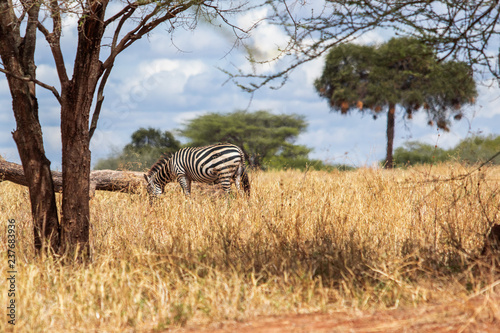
(303, 242)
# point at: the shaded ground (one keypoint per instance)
(474, 315)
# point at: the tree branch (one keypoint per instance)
(54, 40)
(41, 84)
(100, 100)
(143, 27)
(126, 11)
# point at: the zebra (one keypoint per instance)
(218, 163)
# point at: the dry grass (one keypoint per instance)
(303, 242)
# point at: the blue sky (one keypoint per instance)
(162, 81)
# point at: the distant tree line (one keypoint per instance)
(474, 150)
(267, 140)
(145, 148)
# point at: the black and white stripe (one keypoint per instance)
(219, 163)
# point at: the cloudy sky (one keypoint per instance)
(162, 81)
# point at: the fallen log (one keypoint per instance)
(101, 180)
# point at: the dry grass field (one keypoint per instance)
(363, 241)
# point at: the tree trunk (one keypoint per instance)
(389, 163)
(77, 96)
(36, 167)
(75, 219)
(18, 59)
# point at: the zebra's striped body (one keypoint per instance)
(219, 163)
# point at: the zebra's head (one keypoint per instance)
(157, 177)
(153, 187)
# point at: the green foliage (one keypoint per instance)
(404, 72)
(262, 135)
(479, 149)
(146, 147)
(473, 150)
(267, 141)
(345, 76)
(280, 163)
(414, 153)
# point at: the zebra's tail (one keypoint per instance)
(245, 182)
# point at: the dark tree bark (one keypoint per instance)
(18, 59)
(389, 164)
(76, 102)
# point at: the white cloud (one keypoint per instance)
(211, 41)
(324, 137)
(5, 136)
(10, 154)
(52, 138)
(313, 70)
(104, 141)
(6, 116)
(47, 74)
(183, 117)
(4, 85)
(266, 41)
(488, 100)
(374, 37)
(251, 18)
(188, 68)
(69, 25)
(441, 139)
(168, 76)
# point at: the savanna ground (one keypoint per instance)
(367, 250)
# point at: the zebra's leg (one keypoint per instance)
(185, 184)
(241, 179)
(237, 182)
(237, 177)
(226, 184)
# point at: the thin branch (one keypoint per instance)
(220, 13)
(125, 15)
(124, 12)
(100, 100)
(41, 84)
(54, 40)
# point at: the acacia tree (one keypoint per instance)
(20, 22)
(260, 134)
(404, 72)
(146, 147)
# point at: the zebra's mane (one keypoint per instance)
(162, 161)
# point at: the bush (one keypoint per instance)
(414, 153)
(478, 149)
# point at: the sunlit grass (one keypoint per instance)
(304, 242)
